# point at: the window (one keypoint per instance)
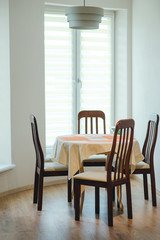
(78, 73)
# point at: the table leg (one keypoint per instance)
(119, 199)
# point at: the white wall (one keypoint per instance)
(121, 65)
(107, 4)
(146, 69)
(27, 82)
(5, 126)
(27, 88)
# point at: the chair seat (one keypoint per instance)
(54, 166)
(96, 175)
(142, 165)
(96, 158)
(47, 159)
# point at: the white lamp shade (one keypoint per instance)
(84, 17)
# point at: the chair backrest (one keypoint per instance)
(121, 151)
(37, 144)
(88, 114)
(151, 138)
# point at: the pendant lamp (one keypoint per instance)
(84, 17)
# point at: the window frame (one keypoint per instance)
(76, 74)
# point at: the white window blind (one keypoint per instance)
(78, 73)
(58, 76)
(95, 69)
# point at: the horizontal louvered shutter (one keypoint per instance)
(95, 69)
(58, 76)
(94, 51)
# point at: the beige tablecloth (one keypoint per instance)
(71, 150)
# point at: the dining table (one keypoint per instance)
(71, 150)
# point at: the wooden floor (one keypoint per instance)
(19, 219)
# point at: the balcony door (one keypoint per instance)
(78, 73)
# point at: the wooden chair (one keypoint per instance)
(122, 146)
(95, 160)
(147, 165)
(42, 168)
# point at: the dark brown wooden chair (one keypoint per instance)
(147, 165)
(91, 116)
(122, 146)
(44, 169)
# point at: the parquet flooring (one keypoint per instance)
(19, 219)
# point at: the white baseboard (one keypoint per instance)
(28, 187)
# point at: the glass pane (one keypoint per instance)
(58, 76)
(95, 69)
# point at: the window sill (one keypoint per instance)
(6, 167)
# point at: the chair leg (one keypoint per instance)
(35, 193)
(74, 199)
(129, 200)
(145, 185)
(40, 192)
(77, 189)
(97, 200)
(69, 190)
(110, 206)
(153, 189)
(113, 194)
